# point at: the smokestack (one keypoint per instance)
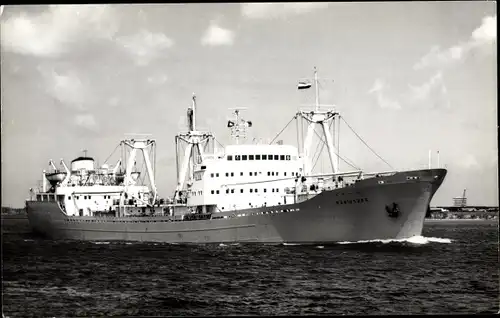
(438, 159)
(430, 159)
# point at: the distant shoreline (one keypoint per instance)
(460, 221)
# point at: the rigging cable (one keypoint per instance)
(323, 142)
(346, 160)
(112, 153)
(218, 142)
(365, 143)
(283, 129)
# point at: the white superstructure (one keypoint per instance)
(242, 175)
(89, 191)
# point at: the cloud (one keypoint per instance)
(54, 31)
(216, 35)
(279, 10)
(86, 121)
(487, 32)
(482, 37)
(432, 93)
(66, 87)
(383, 101)
(422, 92)
(145, 45)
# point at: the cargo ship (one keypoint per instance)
(243, 192)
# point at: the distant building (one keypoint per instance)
(460, 201)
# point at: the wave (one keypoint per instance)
(419, 240)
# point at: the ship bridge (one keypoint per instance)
(246, 175)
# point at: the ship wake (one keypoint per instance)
(417, 240)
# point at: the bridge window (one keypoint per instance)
(276, 157)
(265, 190)
(269, 157)
(268, 173)
(272, 190)
(211, 175)
(277, 190)
(217, 174)
(264, 157)
(287, 157)
(232, 190)
(241, 190)
(69, 198)
(241, 174)
(256, 190)
(255, 173)
(237, 157)
(244, 157)
(250, 173)
(251, 190)
(232, 174)
(212, 191)
(227, 190)
(250, 157)
(227, 174)
(293, 174)
(229, 157)
(282, 157)
(257, 157)
(276, 173)
(284, 173)
(217, 192)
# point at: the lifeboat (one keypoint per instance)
(135, 175)
(119, 178)
(55, 177)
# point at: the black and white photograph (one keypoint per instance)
(255, 159)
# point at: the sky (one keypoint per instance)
(406, 76)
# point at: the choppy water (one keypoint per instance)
(451, 269)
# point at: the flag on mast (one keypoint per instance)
(304, 85)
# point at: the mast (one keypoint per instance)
(321, 117)
(194, 111)
(316, 87)
(430, 159)
(193, 153)
(140, 145)
(239, 125)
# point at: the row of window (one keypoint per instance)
(251, 173)
(274, 190)
(362, 200)
(259, 157)
(88, 197)
(197, 193)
